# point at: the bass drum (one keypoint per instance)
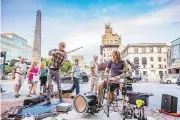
(86, 103)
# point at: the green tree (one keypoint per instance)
(66, 68)
(8, 69)
(47, 60)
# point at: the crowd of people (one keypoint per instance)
(115, 68)
(33, 75)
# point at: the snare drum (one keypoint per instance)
(115, 80)
(86, 103)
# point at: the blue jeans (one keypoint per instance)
(75, 85)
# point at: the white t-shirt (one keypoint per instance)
(95, 65)
(20, 67)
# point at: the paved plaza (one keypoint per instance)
(8, 100)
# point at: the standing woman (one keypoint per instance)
(43, 76)
(76, 76)
(33, 78)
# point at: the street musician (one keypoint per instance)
(115, 68)
(58, 56)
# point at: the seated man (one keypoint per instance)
(116, 67)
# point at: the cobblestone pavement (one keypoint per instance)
(8, 100)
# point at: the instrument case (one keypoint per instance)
(63, 107)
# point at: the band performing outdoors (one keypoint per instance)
(90, 60)
(107, 80)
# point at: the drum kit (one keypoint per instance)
(88, 102)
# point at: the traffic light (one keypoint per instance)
(3, 54)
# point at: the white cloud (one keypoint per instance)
(156, 26)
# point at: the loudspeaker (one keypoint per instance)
(169, 103)
(139, 96)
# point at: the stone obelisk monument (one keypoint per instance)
(36, 56)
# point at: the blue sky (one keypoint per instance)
(81, 22)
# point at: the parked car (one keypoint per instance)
(137, 78)
(170, 80)
(84, 77)
(178, 81)
(67, 78)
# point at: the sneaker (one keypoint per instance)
(48, 102)
(99, 105)
(16, 96)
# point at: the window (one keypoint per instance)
(164, 59)
(160, 72)
(136, 60)
(153, 72)
(144, 61)
(144, 66)
(165, 66)
(151, 58)
(152, 66)
(136, 72)
(151, 49)
(135, 50)
(104, 55)
(144, 72)
(158, 49)
(159, 59)
(143, 50)
(160, 66)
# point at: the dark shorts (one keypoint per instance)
(113, 86)
(43, 80)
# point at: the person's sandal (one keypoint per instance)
(28, 95)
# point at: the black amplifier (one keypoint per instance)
(169, 103)
(133, 96)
